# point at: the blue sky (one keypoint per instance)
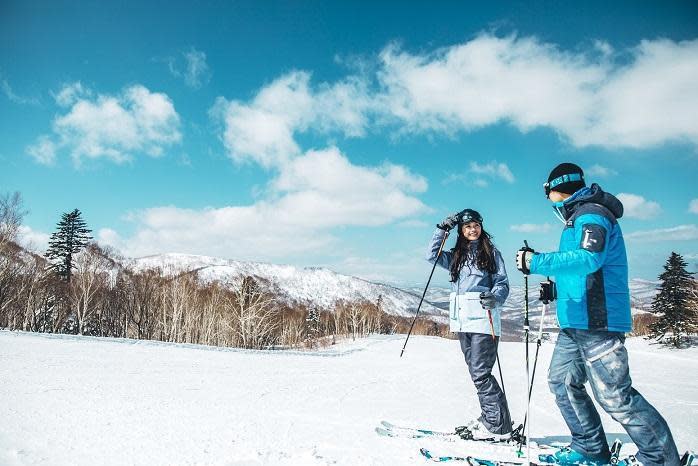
(338, 133)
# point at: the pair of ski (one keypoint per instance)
(543, 459)
(391, 430)
(388, 429)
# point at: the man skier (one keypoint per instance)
(594, 313)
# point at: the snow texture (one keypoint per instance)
(69, 400)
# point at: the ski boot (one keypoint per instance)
(476, 430)
(686, 460)
(568, 457)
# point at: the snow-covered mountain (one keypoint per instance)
(322, 287)
(311, 285)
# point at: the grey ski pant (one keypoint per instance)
(600, 358)
(480, 351)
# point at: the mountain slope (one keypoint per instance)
(309, 286)
(320, 287)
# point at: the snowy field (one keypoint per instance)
(70, 400)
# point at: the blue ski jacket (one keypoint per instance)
(591, 267)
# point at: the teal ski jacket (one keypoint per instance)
(591, 267)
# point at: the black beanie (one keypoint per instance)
(566, 178)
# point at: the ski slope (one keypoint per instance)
(68, 400)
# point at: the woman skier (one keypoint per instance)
(479, 287)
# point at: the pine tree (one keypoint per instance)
(71, 236)
(313, 324)
(674, 304)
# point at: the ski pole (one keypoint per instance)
(496, 352)
(528, 403)
(535, 358)
(441, 248)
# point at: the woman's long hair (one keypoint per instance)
(482, 257)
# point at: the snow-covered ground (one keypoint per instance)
(68, 400)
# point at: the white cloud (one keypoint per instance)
(325, 189)
(195, 72)
(585, 96)
(599, 171)
(636, 206)
(14, 97)
(678, 233)
(110, 237)
(112, 127)
(693, 206)
(488, 80)
(588, 97)
(33, 240)
(71, 93)
(649, 101)
(480, 175)
(531, 228)
(43, 150)
(453, 178)
(263, 131)
(314, 193)
(493, 170)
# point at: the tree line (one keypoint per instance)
(80, 287)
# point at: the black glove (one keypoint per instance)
(523, 259)
(488, 300)
(451, 221)
(548, 291)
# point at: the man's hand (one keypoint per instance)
(523, 259)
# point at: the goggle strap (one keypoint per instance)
(565, 179)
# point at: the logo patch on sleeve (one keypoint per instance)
(593, 237)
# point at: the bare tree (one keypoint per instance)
(354, 312)
(90, 277)
(177, 308)
(141, 302)
(11, 263)
(211, 300)
(11, 216)
(254, 323)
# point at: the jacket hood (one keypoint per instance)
(593, 194)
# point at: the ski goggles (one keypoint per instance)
(470, 215)
(550, 185)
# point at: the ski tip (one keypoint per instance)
(687, 458)
(383, 432)
(387, 424)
